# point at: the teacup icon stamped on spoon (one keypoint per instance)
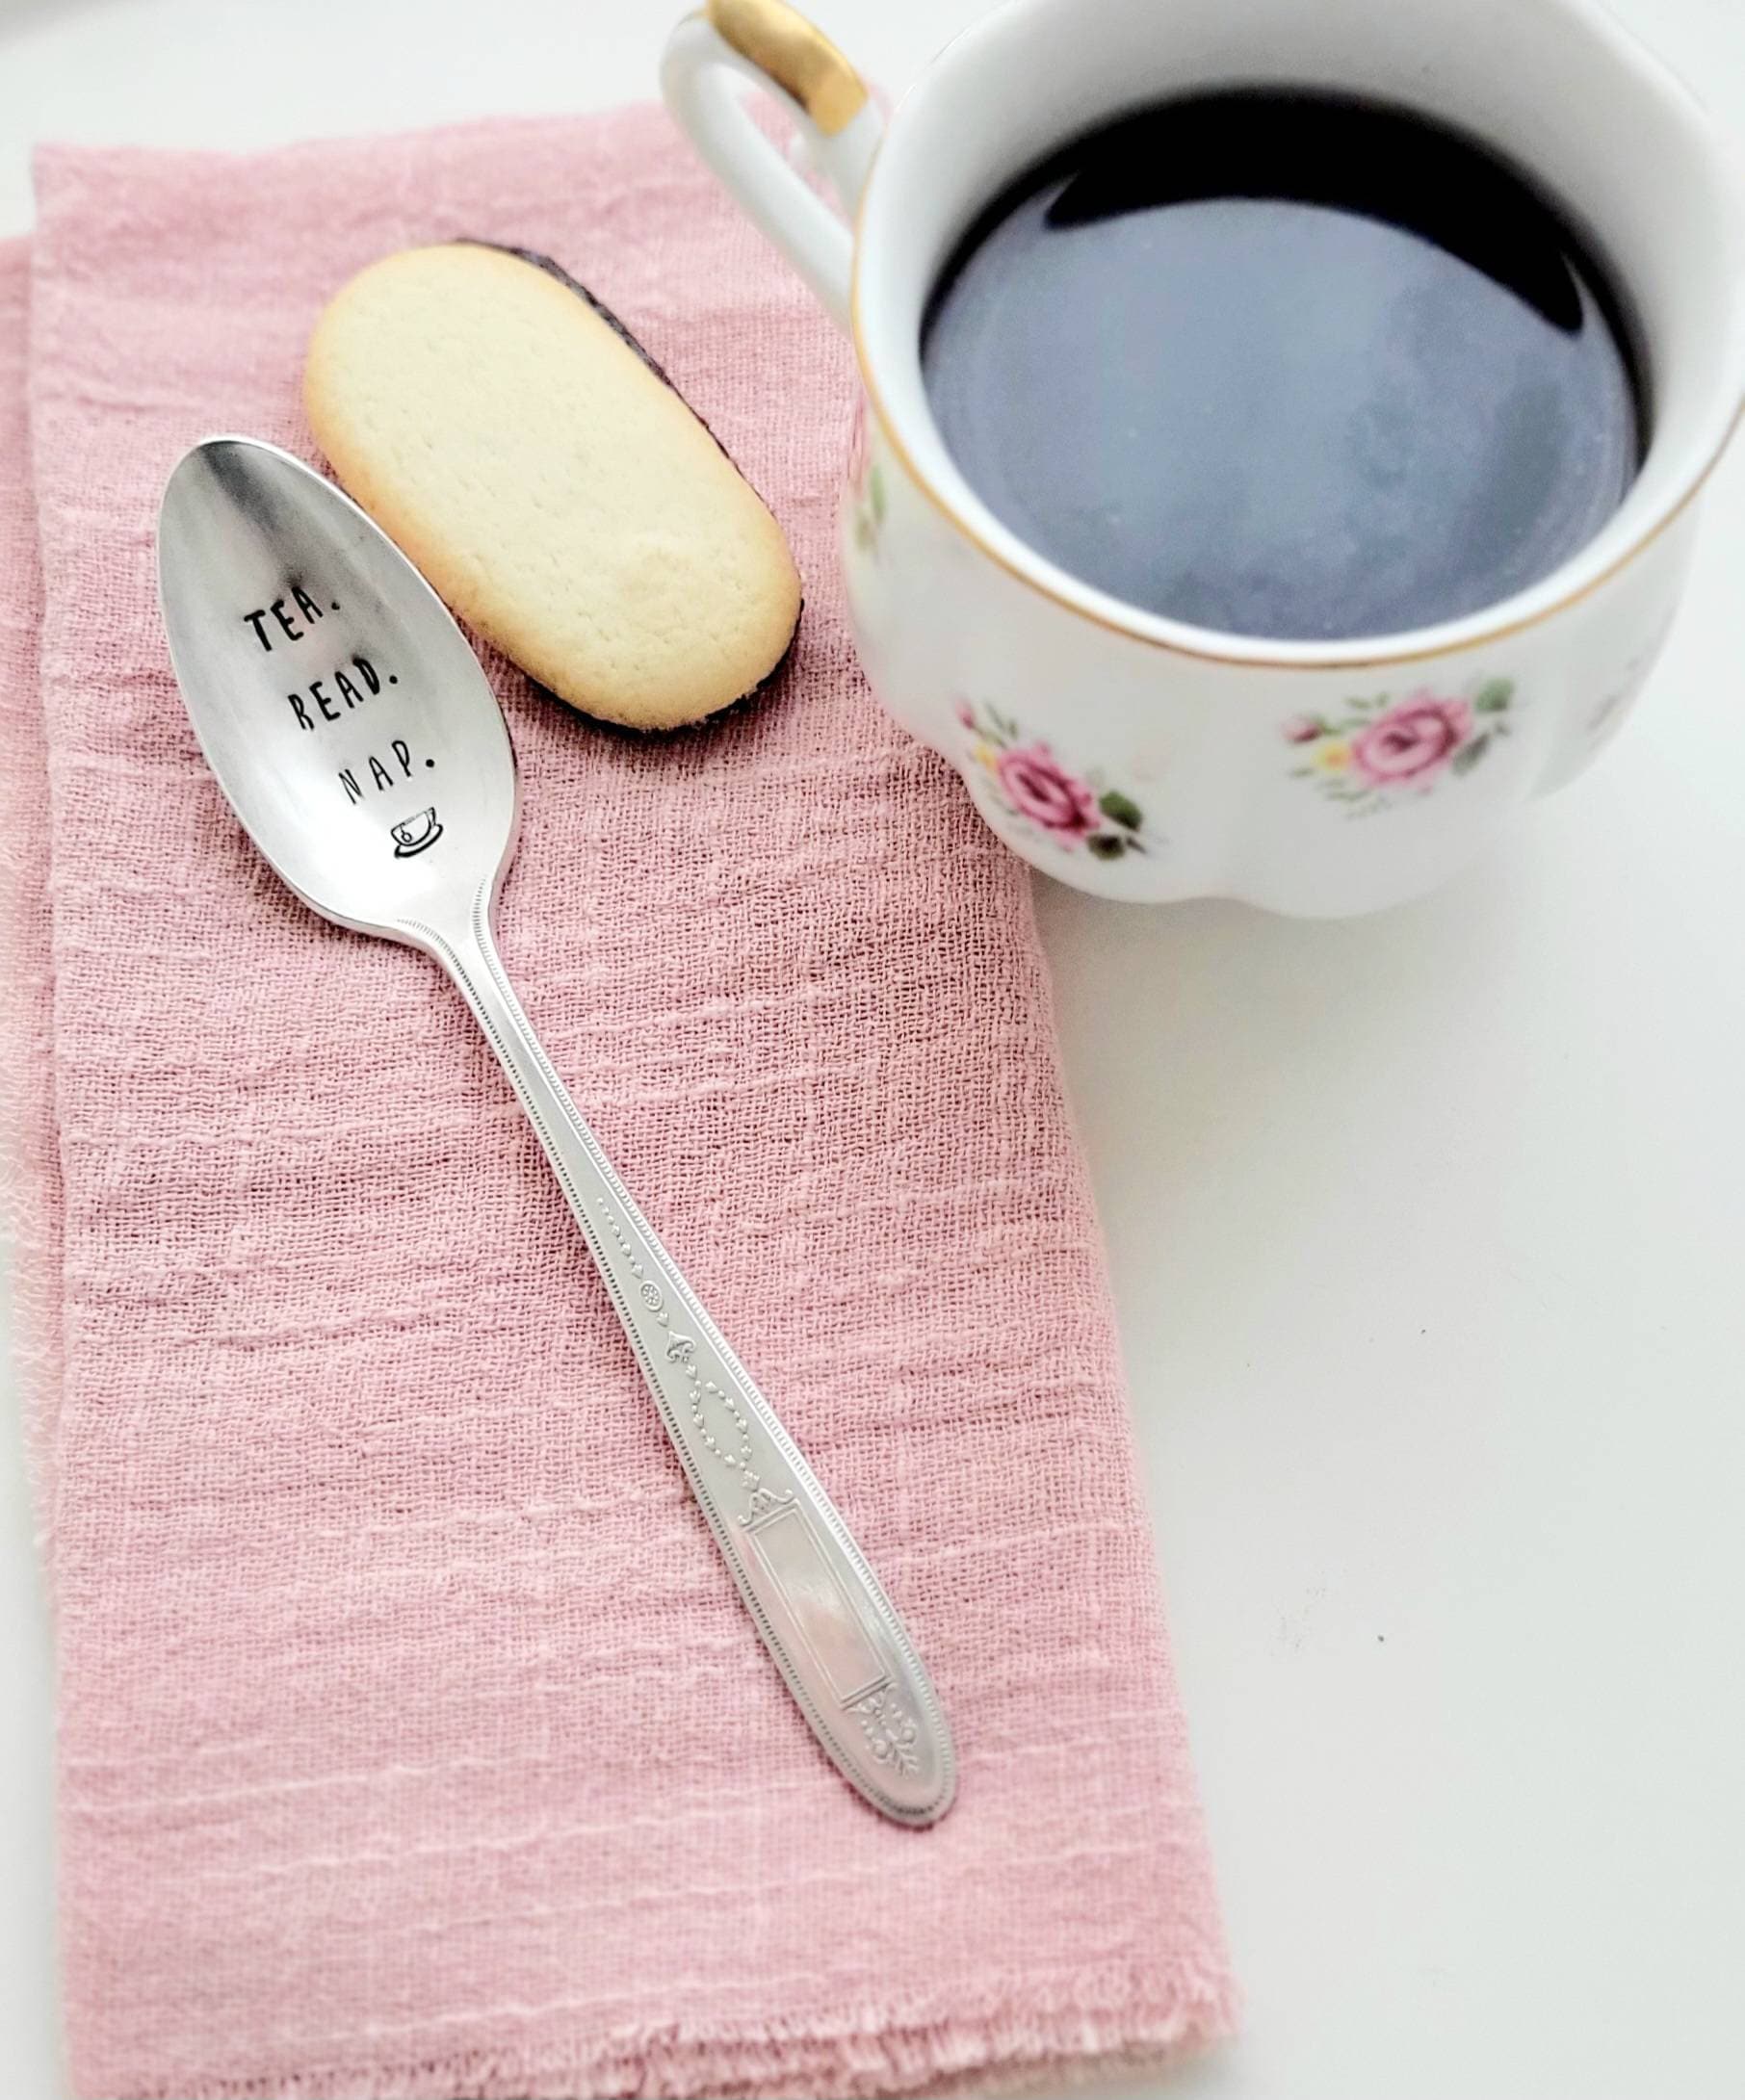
(415, 833)
(335, 696)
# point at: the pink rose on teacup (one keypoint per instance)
(1412, 742)
(1037, 786)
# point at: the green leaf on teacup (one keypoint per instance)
(1120, 809)
(1494, 695)
(1470, 754)
(1107, 845)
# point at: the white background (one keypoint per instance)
(1427, 1234)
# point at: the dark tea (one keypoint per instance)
(1285, 365)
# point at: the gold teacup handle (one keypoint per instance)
(771, 44)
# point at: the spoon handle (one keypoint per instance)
(836, 1638)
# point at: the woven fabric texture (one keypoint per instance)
(413, 1741)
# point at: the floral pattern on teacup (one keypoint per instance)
(1375, 753)
(1073, 811)
(865, 483)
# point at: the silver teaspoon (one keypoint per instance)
(356, 737)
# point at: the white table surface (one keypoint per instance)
(1426, 1234)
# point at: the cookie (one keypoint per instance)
(520, 446)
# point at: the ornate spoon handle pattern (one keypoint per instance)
(836, 1638)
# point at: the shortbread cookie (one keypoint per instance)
(514, 437)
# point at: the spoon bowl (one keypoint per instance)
(342, 710)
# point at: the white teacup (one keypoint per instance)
(1136, 756)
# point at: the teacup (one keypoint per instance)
(1134, 755)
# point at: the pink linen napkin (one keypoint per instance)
(412, 1740)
